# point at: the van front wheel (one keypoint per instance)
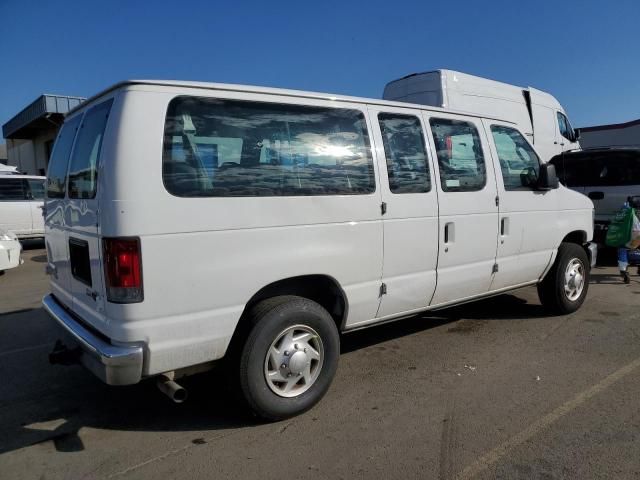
(289, 358)
(565, 287)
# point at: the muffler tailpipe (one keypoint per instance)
(63, 355)
(171, 389)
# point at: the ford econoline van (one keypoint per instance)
(21, 203)
(188, 223)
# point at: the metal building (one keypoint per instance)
(31, 133)
(613, 135)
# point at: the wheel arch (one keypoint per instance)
(578, 237)
(322, 289)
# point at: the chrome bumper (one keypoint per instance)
(592, 248)
(114, 365)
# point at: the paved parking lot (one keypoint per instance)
(494, 389)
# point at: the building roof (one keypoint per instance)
(612, 126)
(41, 113)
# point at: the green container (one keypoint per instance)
(619, 232)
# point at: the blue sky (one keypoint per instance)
(585, 53)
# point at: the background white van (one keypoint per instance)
(538, 114)
(21, 204)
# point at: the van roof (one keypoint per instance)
(275, 91)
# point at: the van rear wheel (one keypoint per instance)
(289, 358)
(565, 287)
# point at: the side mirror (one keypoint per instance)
(547, 179)
(576, 134)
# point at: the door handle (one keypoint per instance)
(449, 234)
(596, 195)
(504, 228)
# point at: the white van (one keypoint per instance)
(21, 203)
(538, 114)
(608, 176)
(191, 222)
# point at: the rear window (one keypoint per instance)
(229, 148)
(57, 174)
(12, 189)
(83, 171)
(598, 169)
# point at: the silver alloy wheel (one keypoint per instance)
(294, 361)
(574, 278)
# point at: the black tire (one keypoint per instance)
(268, 319)
(552, 289)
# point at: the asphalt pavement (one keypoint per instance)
(493, 389)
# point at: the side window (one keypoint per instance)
(57, 174)
(565, 127)
(36, 189)
(83, 171)
(518, 161)
(462, 165)
(230, 148)
(405, 151)
(12, 189)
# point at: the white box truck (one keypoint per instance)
(538, 114)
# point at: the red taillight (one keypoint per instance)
(123, 269)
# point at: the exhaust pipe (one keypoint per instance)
(63, 355)
(171, 389)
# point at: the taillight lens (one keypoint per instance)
(123, 270)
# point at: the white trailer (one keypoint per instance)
(538, 114)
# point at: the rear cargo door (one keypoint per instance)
(84, 244)
(56, 212)
(546, 137)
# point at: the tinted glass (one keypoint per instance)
(12, 189)
(57, 174)
(83, 171)
(406, 154)
(227, 148)
(460, 157)
(518, 161)
(36, 189)
(598, 169)
(565, 127)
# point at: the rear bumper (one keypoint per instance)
(114, 365)
(592, 248)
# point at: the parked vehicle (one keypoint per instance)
(10, 250)
(21, 203)
(608, 176)
(191, 222)
(8, 170)
(538, 114)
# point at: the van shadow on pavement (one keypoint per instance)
(52, 403)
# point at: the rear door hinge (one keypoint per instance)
(383, 207)
(495, 268)
(383, 289)
(497, 201)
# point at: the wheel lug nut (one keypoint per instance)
(296, 346)
(283, 366)
(286, 353)
(288, 374)
(305, 350)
